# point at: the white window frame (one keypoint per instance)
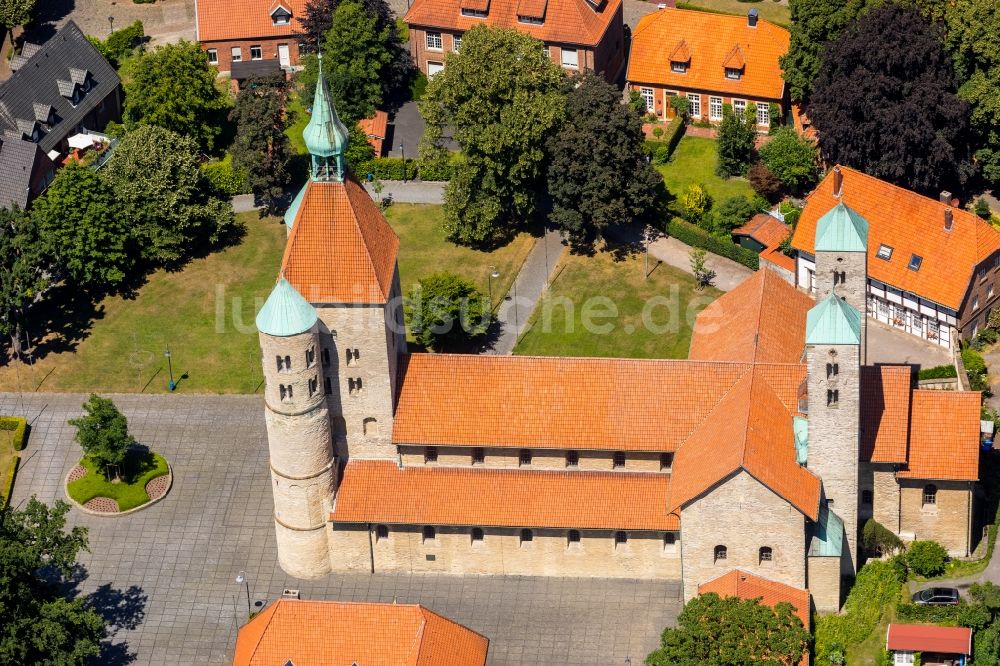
(548, 54)
(714, 108)
(649, 98)
(436, 63)
(433, 40)
(902, 658)
(737, 74)
(678, 67)
(763, 114)
(739, 107)
(884, 252)
(575, 64)
(236, 54)
(694, 105)
(213, 56)
(456, 43)
(474, 13)
(260, 52)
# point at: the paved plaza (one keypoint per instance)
(166, 574)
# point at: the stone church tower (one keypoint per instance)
(835, 330)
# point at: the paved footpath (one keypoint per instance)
(166, 574)
(411, 191)
(728, 273)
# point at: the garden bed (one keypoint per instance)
(86, 484)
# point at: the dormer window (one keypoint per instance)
(678, 67)
(680, 58)
(281, 16)
(475, 13)
(531, 20)
(475, 8)
(733, 73)
(915, 262)
(884, 252)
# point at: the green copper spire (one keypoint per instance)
(325, 135)
(842, 229)
(285, 312)
(833, 322)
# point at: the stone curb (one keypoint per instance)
(170, 473)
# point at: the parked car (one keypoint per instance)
(936, 596)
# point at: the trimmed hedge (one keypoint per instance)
(8, 483)
(692, 235)
(20, 427)
(388, 168)
(224, 178)
(938, 372)
(936, 614)
(661, 150)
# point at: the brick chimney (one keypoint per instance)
(949, 219)
(752, 18)
(838, 182)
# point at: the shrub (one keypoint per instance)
(694, 201)
(19, 426)
(681, 104)
(418, 87)
(140, 467)
(917, 613)
(120, 44)
(8, 481)
(763, 182)
(878, 540)
(736, 211)
(658, 132)
(938, 372)
(791, 159)
(225, 178)
(445, 311)
(975, 368)
(389, 168)
(737, 133)
(661, 155)
(982, 209)
(694, 236)
(926, 558)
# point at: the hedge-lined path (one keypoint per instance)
(411, 191)
(728, 273)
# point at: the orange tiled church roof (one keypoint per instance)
(381, 491)
(328, 633)
(885, 412)
(944, 448)
(246, 19)
(909, 224)
(565, 21)
(745, 585)
(341, 249)
(712, 42)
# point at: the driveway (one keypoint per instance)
(166, 574)
(165, 21)
(887, 345)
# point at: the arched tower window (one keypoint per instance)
(573, 537)
(765, 554)
(720, 553)
(832, 397)
(618, 460)
(370, 427)
(930, 494)
(621, 539)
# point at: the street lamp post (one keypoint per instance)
(402, 149)
(493, 275)
(241, 579)
(111, 20)
(170, 368)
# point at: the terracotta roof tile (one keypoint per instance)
(735, 59)
(532, 8)
(746, 585)
(778, 258)
(711, 39)
(341, 249)
(762, 320)
(885, 413)
(328, 633)
(910, 224)
(765, 229)
(927, 638)
(566, 21)
(244, 19)
(375, 128)
(379, 491)
(681, 52)
(944, 436)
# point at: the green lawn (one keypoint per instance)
(582, 285)
(769, 9)
(130, 491)
(203, 313)
(297, 121)
(693, 163)
(424, 249)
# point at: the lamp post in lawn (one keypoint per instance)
(170, 368)
(493, 275)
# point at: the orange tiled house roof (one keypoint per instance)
(911, 224)
(328, 633)
(885, 413)
(712, 43)
(566, 21)
(745, 585)
(381, 491)
(943, 448)
(224, 20)
(341, 249)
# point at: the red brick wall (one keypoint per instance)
(269, 50)
(663, 112)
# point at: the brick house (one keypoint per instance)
(712, 59)
(578, 34)
(249, 31)
(932, 268)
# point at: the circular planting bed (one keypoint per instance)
(143, 479)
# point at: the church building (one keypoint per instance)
(763, 452)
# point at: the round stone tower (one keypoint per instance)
(303, 467)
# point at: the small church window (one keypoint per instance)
(618, 460)
(621, 539)
(354, 385)
(429, 533)
(720, 553)
(832, 370)
(477, 535)
(478, 456)
(310, 357)
(930, 494)
(285, 391)
(573, 537)
(766, 554)
(524, 458)
(326, 356)
(381, 532)
(370, 427)
(670, 541)
(527, 536)
(430, 454)
(328, 386)
(832, 397)
(353, 355)
(866, 497)
(666, 461)
(572, 459)
(313, 386)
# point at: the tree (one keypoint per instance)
(893, 111)
(734, 212)
(878, 540)
(15, 13)
(503, 98)
(316, 19)
(358, 151)
(695, 202)
(164, 195)
(702, 274)
(712, 630)
(261, 147)
(24, 273)
(445, 311)
(41, 625)
(737, 133)
(792, 159)
(174, 87)
(926, 558)
(103, 433)
(84, 228)
(120, 44)
(814, 23)
(598, 176)
(763, 182)
(987, 646)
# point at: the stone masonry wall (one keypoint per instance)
(854, 290)
(824, 583)
(946, 521)
(743, 515)
(496, 457)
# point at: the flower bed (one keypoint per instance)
(130, 492)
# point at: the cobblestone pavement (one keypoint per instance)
(887, 345)
(164, 21)
(166, 574)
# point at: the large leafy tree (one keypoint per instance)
(261, 147)
(503, 99)
(892, 111)
(163, 194)
(81, 223)
(737, 133)
(15, 13)
(598, 176)
(445, 312)
(814, 24)
(715, 631)
(23, 270)
(102, 432)
(41, 625)
(174, 87)
(792, 159)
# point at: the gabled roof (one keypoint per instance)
(735, 59)
(885, 413)
(746, 585)
(341, 249)
(572, 22)
(910, 224)
(532, 8)
(765, 229)
(944, 436)
(681, 52)
(762, 320)
(225, 20)
(827, 538)
(712, 39)
(929, 638)
(49, 77)
(330, 633)
(19, 161)
(833, 321)
(379, 491)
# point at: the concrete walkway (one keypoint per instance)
(411, 191)
(527, 288)
(728, 273)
